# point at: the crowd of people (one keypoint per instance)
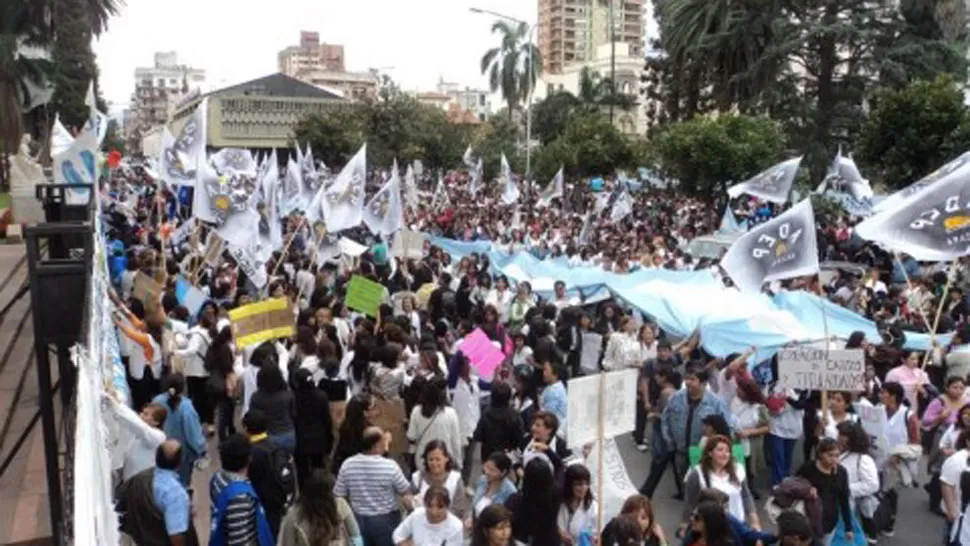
(377, 430)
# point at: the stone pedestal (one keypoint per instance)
(25, 174)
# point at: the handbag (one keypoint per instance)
(410, 455)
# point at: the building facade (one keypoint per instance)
(349, 85)
(310, 54)
(258, 114)
(158, 89)
(628, 71)
(570, 31)
(463, 105)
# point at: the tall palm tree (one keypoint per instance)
(732, 41)
(507, 65)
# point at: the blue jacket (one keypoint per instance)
(674, 419)
(741, 532)
(506, 490)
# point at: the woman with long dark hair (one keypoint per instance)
(493, 527)
(221, 385)
(276, 402)
(709, 526)
(862, 473)
(831, 482)
(182, 424)
(358, 416)
(578, 512)
(318, 517)
(536, 506)
(438, 469)
(314, 431)
(434, 419)
(719, 470)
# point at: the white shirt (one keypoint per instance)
(831, 430)
(305, 283)
(954, 466)
(194, 352)
(421, 532)
(728, 487)
(574, 523)
(466, 399)
(142, 440)
(521, 356)
(442, 426)
(863, 474)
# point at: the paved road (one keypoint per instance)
(916, 525)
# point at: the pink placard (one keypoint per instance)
(482, 354)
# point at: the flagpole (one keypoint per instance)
(286, 249)
(939, 312)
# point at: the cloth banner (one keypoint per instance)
(617, 485)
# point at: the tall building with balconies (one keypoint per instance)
(570, 31)
(310, 55)
(158, 89)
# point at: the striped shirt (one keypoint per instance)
(371, 483)
(240, 522)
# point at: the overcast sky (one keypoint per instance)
(237, 40)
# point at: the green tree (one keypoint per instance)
(507, 66)
(499, 136)
(912, 131)
(21, 23)
(588, 146)
(114, 138)
(74, 65)
(707, 154)
(551, 114)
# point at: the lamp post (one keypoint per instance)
(530, 91)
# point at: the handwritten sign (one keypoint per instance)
(583, 407)
(482, 354)
(146, 290)
(252, 266)
(814, 369)
(409, 244)
(592, 347)
(262, 321)
(364, 295)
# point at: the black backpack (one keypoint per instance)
(275, 479)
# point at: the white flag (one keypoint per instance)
(467, 158)
(622, 207)
(476, 174)
(97, 121)
(894, 200)
(511, 192)
(383, 215)
(411, 188)
(552, 191)
(932, 224)
(294, 195)
(343, 201)
(183, 155)
(61, 138)
(225, 202)
(233, 161)
(440, 194)
(772, 185)
(270, 229)
(781, 248)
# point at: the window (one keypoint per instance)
(481, 99)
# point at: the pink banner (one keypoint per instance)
(482, 354)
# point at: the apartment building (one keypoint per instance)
(570, 31)
(310, 54)
(158, 89)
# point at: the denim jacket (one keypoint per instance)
(506, 490)
(674, 419)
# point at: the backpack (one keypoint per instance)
(278, 489)
(231, 491)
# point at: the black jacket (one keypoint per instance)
(314, 428)
(499, 429)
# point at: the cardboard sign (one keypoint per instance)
(619, 391)
(214, 246)
(409, 244)
(146, 289)
(482, 354)
(808, 368)
(262, 321)
(364, 295)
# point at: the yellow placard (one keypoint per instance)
(262, 321)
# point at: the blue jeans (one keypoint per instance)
(376, 530)
(781, 457)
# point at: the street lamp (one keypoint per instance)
(531, 88)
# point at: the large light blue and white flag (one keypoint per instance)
(552, 191)
(510, 193)
(781, 248)
(894, 200)
(183, 155)
(79, 163)
(772, 185)
(384, 214)
(932, 224)
(343, 201)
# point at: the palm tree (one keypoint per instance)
(21, 24)
(731, 40)
(507, 65)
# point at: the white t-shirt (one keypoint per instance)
(583, 519)
(731, 489)
(419, 530)
(953, 467)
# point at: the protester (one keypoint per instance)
(318, 517)
(183, 424)
(432, 523)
